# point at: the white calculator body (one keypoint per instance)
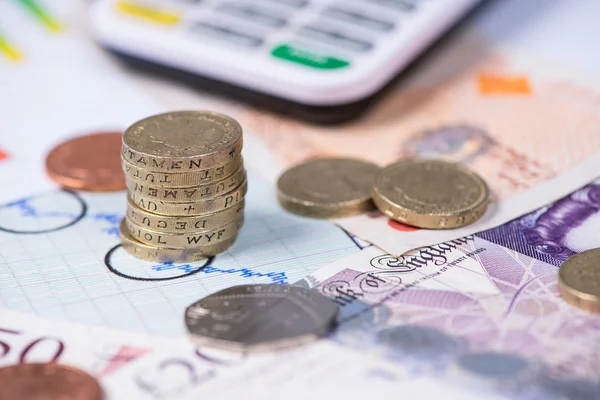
(316, 53)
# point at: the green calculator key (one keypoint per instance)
(308, 57)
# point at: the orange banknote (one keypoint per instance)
(529, 128)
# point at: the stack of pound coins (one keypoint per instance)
(186, 184)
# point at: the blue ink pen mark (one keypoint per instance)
(28, 210)
(112, 219)
(22, 205)
(114, 231)
(169, 265)
(276, 277)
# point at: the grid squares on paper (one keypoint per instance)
(62, 274)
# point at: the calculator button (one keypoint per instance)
(227, 34)
(402, 5)
(356, 18)
(307, 57)
(291, 3)
(252, 14)
(147, 13)
(335, 38)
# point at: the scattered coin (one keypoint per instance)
(47, 382)
(260, 317)
(170, 224)
(579, 280)
(182, 141)
(181, 180)
(185, 240)
(209, 205)
(89, 162)
(192, 193)
(430, 194)
(328, 188)
(151, 253)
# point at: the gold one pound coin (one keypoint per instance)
(152, 253)
(579, 280)
(182, 141)
(430, 194)
(328, 188)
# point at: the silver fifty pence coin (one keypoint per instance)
(260, 317)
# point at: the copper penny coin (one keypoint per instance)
(47, 382)
(90, 162)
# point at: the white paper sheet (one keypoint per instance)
(63, 86)
(64, 267)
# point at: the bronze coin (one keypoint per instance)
(90, 162)
(47, 382)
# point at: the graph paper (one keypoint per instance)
(60, 258)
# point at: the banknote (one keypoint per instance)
(527, 126)
(25, 338)
(467, 318)
(481, 310)
(556, 231)
(185, 372)
(320, 370)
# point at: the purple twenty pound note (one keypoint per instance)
(555, 232)
(481, 311)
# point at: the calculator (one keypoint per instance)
(321, 60)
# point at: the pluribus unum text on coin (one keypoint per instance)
(186, 185)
